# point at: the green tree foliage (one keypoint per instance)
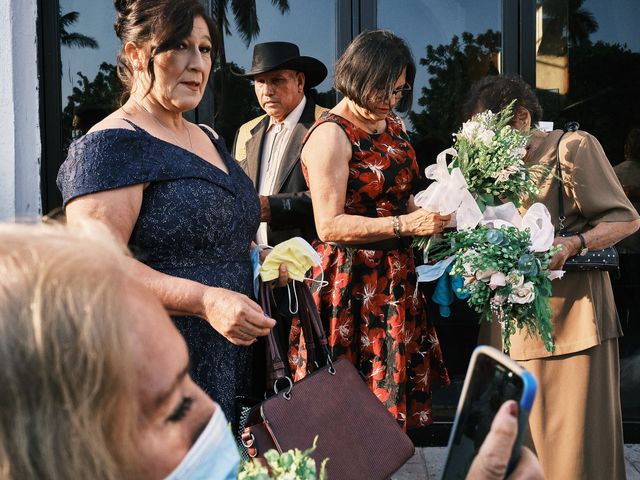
(452, 69)
(238, 105)
(72, 39)
(91, 101)
(565, 24)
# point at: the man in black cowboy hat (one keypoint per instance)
(269, 146)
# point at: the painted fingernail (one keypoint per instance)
(513, 408)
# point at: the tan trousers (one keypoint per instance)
(576, 421)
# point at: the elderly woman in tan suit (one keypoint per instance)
(576, 422)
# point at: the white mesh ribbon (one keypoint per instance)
(505, 215)
(449, 193)
(537, 219)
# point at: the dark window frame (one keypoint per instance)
(50, 102)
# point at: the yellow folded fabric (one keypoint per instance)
(295, 253)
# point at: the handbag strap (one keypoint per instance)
(307, 330)
(273, 351)
(568, 127)
(308, 310)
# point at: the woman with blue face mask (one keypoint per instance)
(95, 376)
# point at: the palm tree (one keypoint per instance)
(246, 20)
(582, 23)
(73, 39)
(566, 24)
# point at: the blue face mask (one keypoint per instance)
(213, 456)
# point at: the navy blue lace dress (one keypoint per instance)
(196, 222)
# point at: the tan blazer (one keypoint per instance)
(584, 311)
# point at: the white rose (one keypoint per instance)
(470, 130)
(485, 275)
(468, 279)
(524, 294)
(498, 279)
(486, 137)
(517, 152)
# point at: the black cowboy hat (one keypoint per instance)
(270, 56)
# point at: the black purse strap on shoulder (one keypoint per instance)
(568, 127)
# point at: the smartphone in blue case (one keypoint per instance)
(492, 379)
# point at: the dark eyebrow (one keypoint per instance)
(163, 397)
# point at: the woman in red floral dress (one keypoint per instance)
(361, 171)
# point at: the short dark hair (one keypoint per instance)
(632, 145)
(370, 67)
(495, 92)
(162, 23)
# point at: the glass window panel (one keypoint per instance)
(315, 38)
(587, 70)
(88, 48)
(455, 42)
(90, 89)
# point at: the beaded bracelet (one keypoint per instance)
(396, 226)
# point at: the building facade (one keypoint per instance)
(583, 56)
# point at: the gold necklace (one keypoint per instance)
(161, 125)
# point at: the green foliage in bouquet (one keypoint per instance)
(491, 158)
(505, 280)
(291, 465)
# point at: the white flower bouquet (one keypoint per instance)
(293, 464)
(490, 155)
(503, 258)
(505, 266)
(487, 168)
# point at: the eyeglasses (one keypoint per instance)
(400, 91)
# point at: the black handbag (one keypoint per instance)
(606, 259)
(355, 431)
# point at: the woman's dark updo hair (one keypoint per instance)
(497, 91)
(163, 24)
(370, 67)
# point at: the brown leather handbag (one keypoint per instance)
(355, 431)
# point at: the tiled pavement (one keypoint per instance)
(427, 463)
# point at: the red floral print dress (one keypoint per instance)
(373, 312)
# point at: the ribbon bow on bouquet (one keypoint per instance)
(449, 194)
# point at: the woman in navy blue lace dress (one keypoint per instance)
(171, 191)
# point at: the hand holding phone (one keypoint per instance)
(492, 461)
(492, 379)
